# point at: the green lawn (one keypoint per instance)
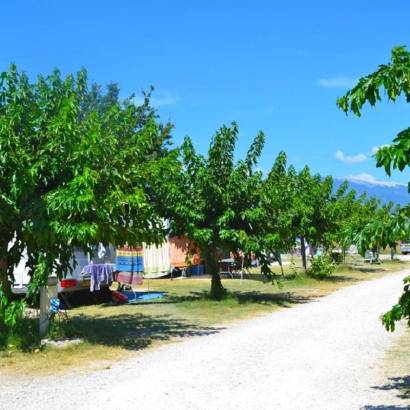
(114, 332)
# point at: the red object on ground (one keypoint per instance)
(68, 283)
(118, 296)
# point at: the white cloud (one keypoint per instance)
(352, 159)
(337, 82)
(371, 180)
(159, 102)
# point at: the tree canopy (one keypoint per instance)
(72, 173)
(78, 166)
(394, 79)
(228, 205)
(217, 203)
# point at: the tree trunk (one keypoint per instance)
(4, 282)
(303, 252)
(279, 258)
(375, 255)
(217, 290)
(4, 279)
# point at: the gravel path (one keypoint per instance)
(325, 354)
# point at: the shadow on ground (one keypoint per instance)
(283, 299)
(370, 269)
(383, 407)
(135, 331)
(335, 278)
(339, 279)
(401, 385)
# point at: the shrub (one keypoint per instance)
(321, 267)
(22, 337)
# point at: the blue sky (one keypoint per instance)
(271, 65)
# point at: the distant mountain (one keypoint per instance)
(396, 193)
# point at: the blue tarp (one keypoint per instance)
(135, 297)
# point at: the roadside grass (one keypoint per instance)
(113, 332)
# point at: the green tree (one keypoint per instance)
(96, 100)
(217, 201)
(298, 205)
(310, 203)
(394, 79)
(383, 230)
(305, 206)
(72, 175)
(276, 229)
(355, 214)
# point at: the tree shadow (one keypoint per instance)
(283, 299)
(384, 407)
(135, 331)
(335, 278)
(338, 279)
(402, 385)
(370, 270)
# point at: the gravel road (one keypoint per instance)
(326, 354)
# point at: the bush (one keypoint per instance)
(321, 267)
(23, 337)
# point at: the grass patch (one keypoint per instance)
(113, 332)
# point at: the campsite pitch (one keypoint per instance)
(113, 333)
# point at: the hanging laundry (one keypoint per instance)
(101, 251)
(129, 265)
(100, 274)
(157, 260)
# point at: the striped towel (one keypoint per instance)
(130, 265)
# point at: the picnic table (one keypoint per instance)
(231, 267)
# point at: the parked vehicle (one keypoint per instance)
(405, 247)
